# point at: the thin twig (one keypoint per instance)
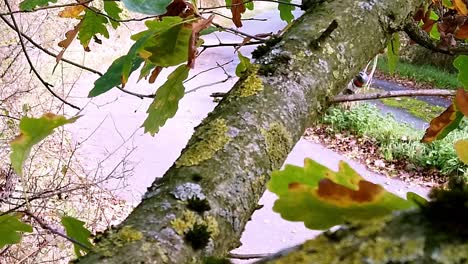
(247, 256)
(55, 231)
(11, 117)
(388, 94)
(46, 85)
(207, 70)
(235, 31)
(230, 18)
(207, 85)
(207, 46)
(45, 8)
(248, 1)
(49, 52)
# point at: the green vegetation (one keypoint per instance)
(429, 74)
(399, 141)
(418, 108)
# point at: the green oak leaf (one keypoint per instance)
(91, 25)
(461, 63)
(393, 50)
(76, 230)
(155, 7)
(28, 5)
(322, 198)
(244, 64)
(166, 101)
(11, 228)
(286, 11)
(146, 70)
(32, 131)
(113, 76)
(249, 5)
(171, 47)
(209, 30)
(113, 10)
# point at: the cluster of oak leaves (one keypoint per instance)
(171, 39)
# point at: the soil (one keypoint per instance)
(365, 150)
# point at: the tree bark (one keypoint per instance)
(410, 237)
(200, 206)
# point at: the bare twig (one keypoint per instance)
(248, 1)
(228, 76)
(247, 256)
(388, 94)
(35, 44)
(23, 46)
(207, 46)
(207, 70)
(55, 231)
(235, 31)
(230, 18)
(45, 8)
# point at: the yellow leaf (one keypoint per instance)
(461, 147)
(460, 6)
(72, 11)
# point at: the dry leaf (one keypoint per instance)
(154, 74)
(72, 11)
(69, 37)
(237, 9)
(196, 28)
(461, 100)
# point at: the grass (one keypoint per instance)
(428, 74)
(399, 141)
(417, 108)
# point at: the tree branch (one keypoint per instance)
(388, 94)
(55, 231)
(231, 154)
(417, 236)
(23, 46)
(421, 37)
(45, 8)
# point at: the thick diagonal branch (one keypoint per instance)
(200, 206)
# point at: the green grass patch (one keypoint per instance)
(399, 141)
(417, 108)
(428, 74)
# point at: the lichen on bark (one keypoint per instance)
(229, 158)
(279, 143)
(206, 142)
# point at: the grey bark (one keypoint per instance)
(228, 160)
(409, 237)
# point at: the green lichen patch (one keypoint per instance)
(196, 229)
(279, 143)
(251, 84)
(113, 240)
(182, 224)
(205, 143)
(349, 249)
